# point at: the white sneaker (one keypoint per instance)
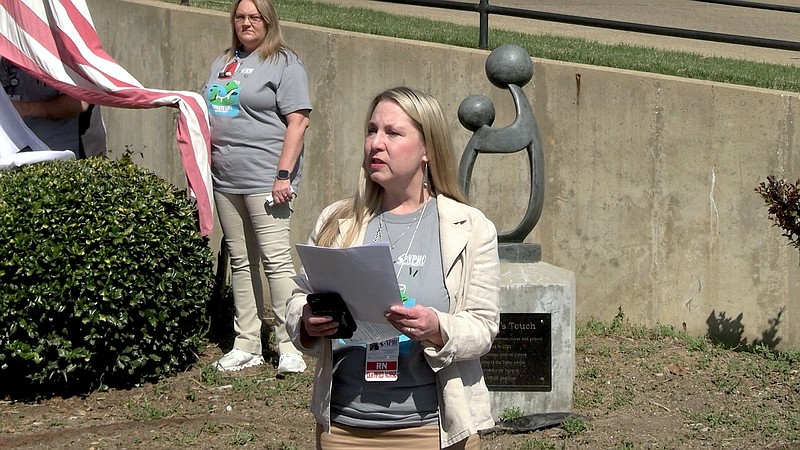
(236, 360)
(291, 363)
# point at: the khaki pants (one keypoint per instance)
(426, 437)
(256, 234)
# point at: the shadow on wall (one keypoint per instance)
(729, 332)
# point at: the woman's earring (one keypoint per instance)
(425, 177)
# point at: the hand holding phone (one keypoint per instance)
(331, 304)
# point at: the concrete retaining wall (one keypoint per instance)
(649, 192)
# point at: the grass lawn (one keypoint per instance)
(643, 59)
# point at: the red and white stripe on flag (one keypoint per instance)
(55, 40)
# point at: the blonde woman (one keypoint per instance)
(445, 255)
(259, 106)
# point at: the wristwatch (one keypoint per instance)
(283, 175)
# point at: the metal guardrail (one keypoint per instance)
(484, 9)
(754, 5)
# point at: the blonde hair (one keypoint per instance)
(426, 114)
(273, 44)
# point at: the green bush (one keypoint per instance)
(104, 278)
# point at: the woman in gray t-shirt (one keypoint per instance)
(259, 106)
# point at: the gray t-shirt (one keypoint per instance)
(247, 105)
(413, 398)
(56, 134)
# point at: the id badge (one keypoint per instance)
(381, 364)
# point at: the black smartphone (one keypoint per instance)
(331, 304)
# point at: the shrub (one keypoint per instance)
(104, 277)
(783, 199)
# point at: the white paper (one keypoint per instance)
(367, 332)
(301, 280)
(364, 276)
(23, 158)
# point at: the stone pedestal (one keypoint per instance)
(534, 298)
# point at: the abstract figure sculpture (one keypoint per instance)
(507, 67)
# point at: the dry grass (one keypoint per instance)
(641, 388)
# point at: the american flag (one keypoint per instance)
(55, 40)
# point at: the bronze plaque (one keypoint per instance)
(520, 358)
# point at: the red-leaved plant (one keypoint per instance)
(783, 198)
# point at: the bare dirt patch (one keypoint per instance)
(639, 388)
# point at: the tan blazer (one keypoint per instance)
(470, 264)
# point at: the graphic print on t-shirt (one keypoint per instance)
(411, 260)
(223, 99)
